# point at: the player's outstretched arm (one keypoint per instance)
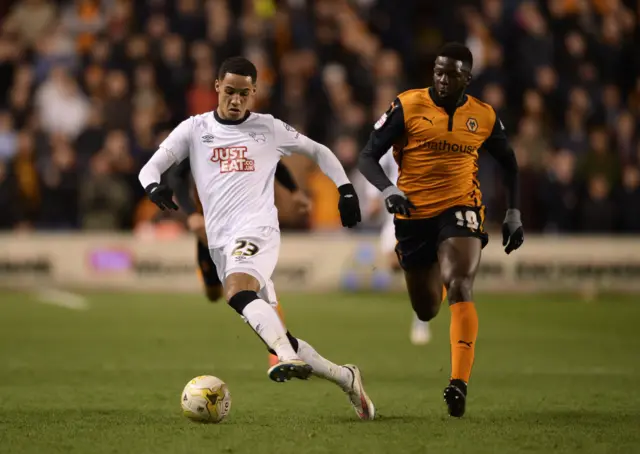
(498, 146)
(173, 150)
(291, 141)
(387, 131)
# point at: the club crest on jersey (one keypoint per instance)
(472, 124)
(232, 159)
(207, 139)
(260, 138)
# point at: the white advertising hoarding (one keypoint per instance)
(309, 262)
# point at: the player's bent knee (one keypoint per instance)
(214, 293)
(238, 282)
(427, 312)
(460, 288)
(241, 299)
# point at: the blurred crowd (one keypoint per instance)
(89, 88)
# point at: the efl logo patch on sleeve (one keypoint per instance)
(383, 119)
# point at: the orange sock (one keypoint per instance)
(463, 333)
(444, 294)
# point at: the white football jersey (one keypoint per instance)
(233, 166)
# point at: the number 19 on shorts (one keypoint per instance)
(468, 219)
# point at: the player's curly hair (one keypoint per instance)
(240, 66)
(457, 51)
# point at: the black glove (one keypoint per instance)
(396, 202)
(349, 206)
(512, 232)
(161, 195)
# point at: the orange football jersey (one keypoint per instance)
(438, 155)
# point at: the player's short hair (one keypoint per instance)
(240, 66)
(457, 51)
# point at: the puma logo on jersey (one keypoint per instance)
(232, 159)
(427, 119)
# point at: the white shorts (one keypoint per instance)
(254, 252)
(388, 236)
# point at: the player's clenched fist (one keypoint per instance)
(349, 206)
(512, 232)
(396, 202)
(161, 195)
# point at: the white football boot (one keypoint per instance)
(357, 396)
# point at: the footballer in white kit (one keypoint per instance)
(420, 332)
(233, 154)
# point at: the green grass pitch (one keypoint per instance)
(552, 374)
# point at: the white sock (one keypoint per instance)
(322, 367)
(265, 321)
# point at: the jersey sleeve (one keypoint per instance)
(497, 141)
(498, 146)
(387, 131)
(389, 128)
(177, 143)
(291, 141)
(173, 150)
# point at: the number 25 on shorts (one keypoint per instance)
(467, 218)
(245, 248)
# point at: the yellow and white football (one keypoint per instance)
(206, 399)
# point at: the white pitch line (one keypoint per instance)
(63, 299)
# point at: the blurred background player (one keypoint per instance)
(189, 202)
(436, 134)
(420, 332)
(233, 155)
